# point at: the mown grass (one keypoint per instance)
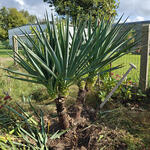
(125, 61)
(15, 88)
(5, 52)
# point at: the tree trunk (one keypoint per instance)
(62, 113)
(80, 103)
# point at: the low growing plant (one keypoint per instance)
(29, 133)
(125, 91)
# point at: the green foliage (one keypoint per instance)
(4, 44)
(125, 61)
(57, 134)
(30, 131)
(81, 85)
(30, 18)
(124, 92)
(83, 8)
(130, 35)
(15, 18)
(91, 81)
(6, 142)
(61, 58)
(56, 63)
(3, 23)
(107, 45)
(132, 142)
(3, 34)
(10, 18)
(14, 87)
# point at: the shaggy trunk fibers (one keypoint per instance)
(62, 113)
(80, 103)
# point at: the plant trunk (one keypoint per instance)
(80, 102)
(86, 87)
(62, 113)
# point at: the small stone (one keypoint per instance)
(83, 148)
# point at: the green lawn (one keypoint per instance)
(5, 52)
(125, 61)
(16, 88)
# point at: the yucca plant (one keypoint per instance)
(111, 43)
(59, 58)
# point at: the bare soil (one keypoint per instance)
(116, 130)
(4, 59)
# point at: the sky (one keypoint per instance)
(136, 10)
(34, 7)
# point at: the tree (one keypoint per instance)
(31, 18)
(57, 63)
(3, 34)
(11, 18)
(15, 18)
(3, 23)
(83, 8)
